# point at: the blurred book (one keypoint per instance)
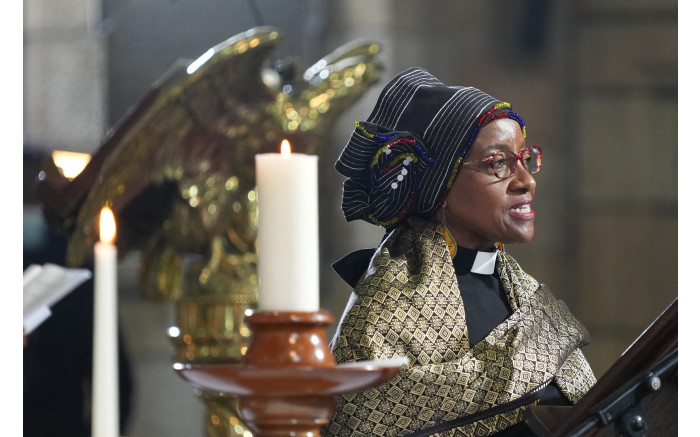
(43, 287)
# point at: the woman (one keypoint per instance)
(447, 172)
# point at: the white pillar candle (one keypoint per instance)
(105, 371)
(288, 261)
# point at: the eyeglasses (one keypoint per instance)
(503, 163)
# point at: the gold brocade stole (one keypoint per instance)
(575, 377)
(409, 304)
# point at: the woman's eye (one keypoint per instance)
(498, 162)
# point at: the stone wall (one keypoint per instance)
(65, 75)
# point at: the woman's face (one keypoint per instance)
(481, 209)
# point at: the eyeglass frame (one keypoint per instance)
(518, 158)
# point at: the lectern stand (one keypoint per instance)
(637, 396)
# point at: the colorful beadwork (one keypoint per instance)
(409, 203)
(370, 135)
(455, 168)
(387, 146)
(425, 154)
(382, 224)
(510, 115)
(491, 111)
(405, 158)
(402, 157)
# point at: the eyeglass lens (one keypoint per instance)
(504, 163)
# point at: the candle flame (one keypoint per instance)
(108, 226)
(285, 149)
(70, 164)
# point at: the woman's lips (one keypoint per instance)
(523, 210)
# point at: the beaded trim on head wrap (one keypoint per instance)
(410, 154)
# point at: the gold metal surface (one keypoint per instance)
(203, 131)
(200, 130)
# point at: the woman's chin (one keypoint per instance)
(522, 237)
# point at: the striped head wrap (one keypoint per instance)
(402, 161)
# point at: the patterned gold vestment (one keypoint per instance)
(408, 304)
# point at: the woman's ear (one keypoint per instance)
(443, 211)
(439, 216)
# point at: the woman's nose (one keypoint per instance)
(522, 180)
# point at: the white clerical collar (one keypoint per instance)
(484, 263)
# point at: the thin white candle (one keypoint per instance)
(287, 191)
(105, 372)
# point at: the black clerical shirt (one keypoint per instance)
(485, 302)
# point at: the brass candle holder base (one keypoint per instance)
(288, 381)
